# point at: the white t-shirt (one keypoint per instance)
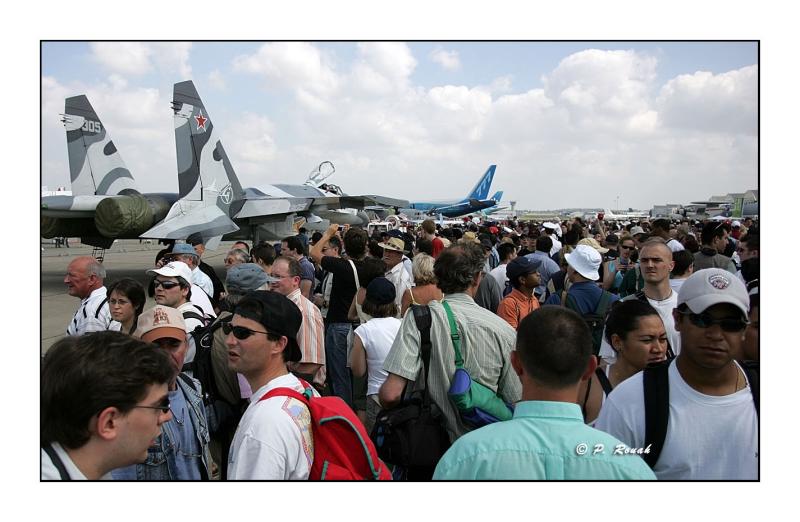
(664, 309)
(274, 440)
(708, 437)
(200, 298)
(377, 336)
(499, 273)
(200, 279)
(401, 281)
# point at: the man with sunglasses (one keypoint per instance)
(103, 402)
(181, 451)
(712, 421)
(274, 439)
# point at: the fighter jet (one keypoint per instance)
(473, 202)
(105, 203)
(212, 201)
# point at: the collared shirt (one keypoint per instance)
(91, 316)
(311, 336)
(544, 441)
(516, 306)
(486, 344)
(401, 281)
(200, 279)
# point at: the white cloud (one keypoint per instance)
(449, 60)
(139, 58)
(725, 102)
(291, 65)
(217, 81)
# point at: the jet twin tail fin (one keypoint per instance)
(95, 165)
(481, 189)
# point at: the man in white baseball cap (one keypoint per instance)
(196, 294)
(553, 231)
(710, 400)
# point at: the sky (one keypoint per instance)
(603, 124)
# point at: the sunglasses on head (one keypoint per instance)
(166, 284)
(705, 320)
(240, 332)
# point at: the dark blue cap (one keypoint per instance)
(381, 291)
(522, 266)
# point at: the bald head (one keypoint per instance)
(84, 275)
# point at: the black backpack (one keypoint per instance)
(219, 411)
(655, 382)
(412, 435)
(596, 320)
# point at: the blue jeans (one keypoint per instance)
(336, 361)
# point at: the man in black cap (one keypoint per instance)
(523, 274)
(197, 241)
(274, 440)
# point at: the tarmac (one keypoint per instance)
(125, 258)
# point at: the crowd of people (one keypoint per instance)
(623, 350)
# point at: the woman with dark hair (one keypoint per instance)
(126, 301)
(636, 333)
(372, 342)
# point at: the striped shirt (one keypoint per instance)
(311, 336)
(486, 342)
(92, 315)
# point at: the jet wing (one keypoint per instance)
(188, 217)
(266, 206)
(372, 200)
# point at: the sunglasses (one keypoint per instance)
(705, 320)
(627, 247)
(166, 284)
(240, 332)
(163, 407)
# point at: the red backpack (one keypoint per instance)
(342, 447)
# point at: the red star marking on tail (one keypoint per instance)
(201, 122)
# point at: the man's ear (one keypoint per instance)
(106, 424)
(676, 318)
(591, 366)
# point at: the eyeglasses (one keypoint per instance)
(240, 332)
(278, 276)
(166, 284)
(705, 320)
(121, 302)
(163, 407)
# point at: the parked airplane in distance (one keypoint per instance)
(473, 202)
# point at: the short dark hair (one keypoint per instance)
(294, 243)
(457, 266)
(690, 243)
(355, 243)
(554, 345)
(134, 291)
(751, 241)
(264, 252)
(712, 230)
(425, 246)
(544, 244)
(683, 259)
(624, 317)
(336, 243)
(371, 268)
(83, 375)
(504, 250)
(750, 269)
(379, 311)
(375, 249)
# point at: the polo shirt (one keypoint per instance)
(516, 306)
(544, 440)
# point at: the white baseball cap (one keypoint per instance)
(711, 286)
(173, 269)
(585, 260)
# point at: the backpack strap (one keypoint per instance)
(751, 370)
(288, 392)
(423, 319)
(99, 307)
(454, 335)
(655, 382)
(602, 378)
(602, 305)
(57, 462)
(640, 296)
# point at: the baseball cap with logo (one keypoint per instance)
(173, 269)
(278, 315)
(712, 286)
(585, 260)
(159, 322)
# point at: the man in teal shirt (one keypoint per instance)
(546, 439)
